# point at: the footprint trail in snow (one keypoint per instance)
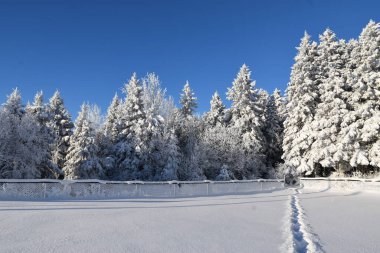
(302, 240)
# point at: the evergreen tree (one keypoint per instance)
(14, 105)
(130, 146)
(247, 113)
(109, 138)
(362, 125)
(188, 132)
(274, 128)
(173, 158)
(332, 107)
(280, 105)
(82, 160)
(40, 111)
(216, 114)
(24, 147)
(188, 101)
(38, 108)
(112, 121)
(62, 126)
(302, 98)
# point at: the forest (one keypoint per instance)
(328, 121)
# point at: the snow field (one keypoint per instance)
(234, 223)
(344, 221)
(288, 220)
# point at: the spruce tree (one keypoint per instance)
(40, 111)
(280, 104)
(130, 146)
(14, 106)
(82, 157)
(365, 116)
(188, 101)
(273, 129)
(247, 113)
(24, 147)
(112, 121)
(62, 125)
(216, 114)
(324, 152)
(173, 158)
(302, 98)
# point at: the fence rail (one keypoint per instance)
(34, 189)
(341, 184)
(92, 189)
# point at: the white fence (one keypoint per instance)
(93, 189)
(341, 184)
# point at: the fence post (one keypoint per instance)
(44, 186)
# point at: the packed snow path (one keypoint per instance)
(301, 239)
(279, 221)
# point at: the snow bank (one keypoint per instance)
(93, 189)
(341, 184)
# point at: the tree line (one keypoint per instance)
(328, 121)
(333, 105)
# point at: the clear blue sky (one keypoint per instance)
(88, 49)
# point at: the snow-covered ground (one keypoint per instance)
(344, 221)
(287, 220)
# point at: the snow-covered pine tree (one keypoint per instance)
(110, 135)
(274, 129)
(40, 111)
(362, 127)
(324, 153)
(96, 118)
(302, 98)
(14, 106)
(280, 104)
(151, 145)
(216, 114)
(247, 112)
(188, 101)
(82, 160)
(112, 121)
(188, 132)
(24, 147)
(62, 125)
(130, 146)
(188, 129)
(159, 112)
(173, 158)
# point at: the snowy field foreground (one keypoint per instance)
(275, 221)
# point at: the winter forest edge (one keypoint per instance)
(328, 122)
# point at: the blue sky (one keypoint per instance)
(88, 49)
